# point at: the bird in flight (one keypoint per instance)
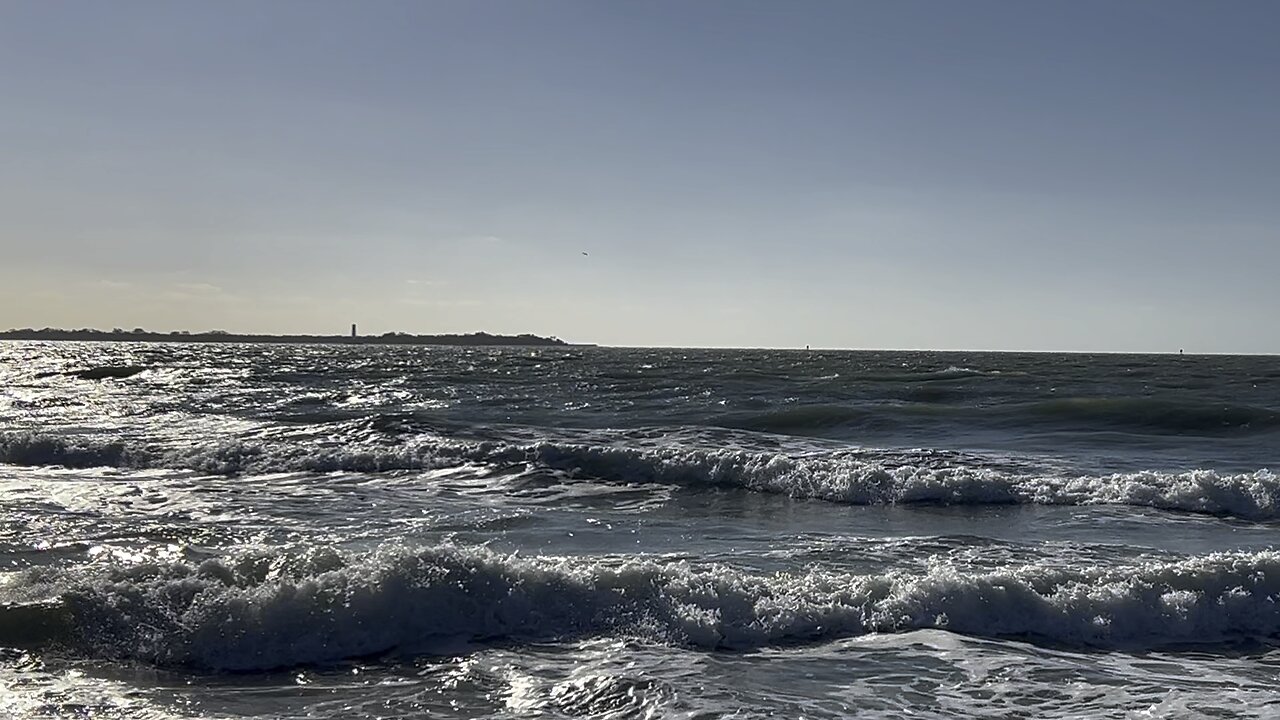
(584, 253)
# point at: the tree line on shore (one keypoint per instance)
(395, 338)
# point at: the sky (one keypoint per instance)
(1091, 175)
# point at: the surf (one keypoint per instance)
(847, 476)
(265, 610)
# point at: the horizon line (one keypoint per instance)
(621, 346)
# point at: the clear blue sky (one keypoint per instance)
(1075, 175)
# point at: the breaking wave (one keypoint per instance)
(859, 477)
(269, 610)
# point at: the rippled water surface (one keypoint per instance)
(231, 531)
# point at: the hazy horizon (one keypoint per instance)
(625, 346)
(1085, 176)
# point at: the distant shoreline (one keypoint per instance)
(479, 339)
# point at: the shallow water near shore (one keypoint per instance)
(336, 531)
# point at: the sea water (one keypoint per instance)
(238, 531)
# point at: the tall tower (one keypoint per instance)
(353, 329)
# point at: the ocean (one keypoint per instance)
(276, 531)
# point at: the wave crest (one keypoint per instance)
(262, 612)
(859, 477)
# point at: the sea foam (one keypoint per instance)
(843, 476)
(262, 611)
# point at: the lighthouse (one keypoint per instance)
(353, 329)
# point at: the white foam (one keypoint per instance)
(271, 610)
(853, 476)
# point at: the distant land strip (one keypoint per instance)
(221, 336)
